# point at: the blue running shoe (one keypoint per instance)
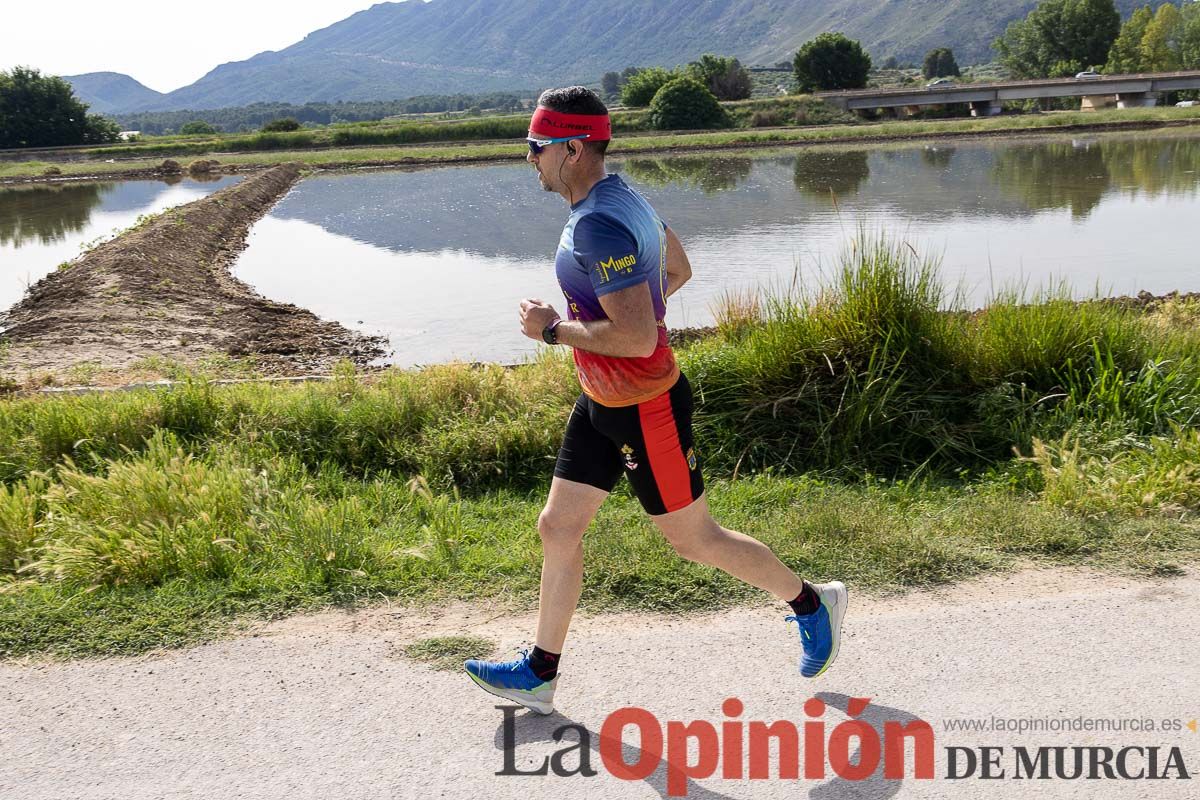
(514, 680)
(821, 631)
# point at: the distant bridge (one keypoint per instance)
(985, 99)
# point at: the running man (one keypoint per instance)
(617, 263)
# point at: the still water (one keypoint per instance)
(438, 259)
(42, 226)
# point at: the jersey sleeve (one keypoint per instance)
(609, 252)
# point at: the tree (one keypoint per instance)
(196, 127)
(1189, 37)
(1060, 38)
(42, 111)
(1150, 41)
(1126, 52)
(283, 125)
(611, 84)
(940, 63)
(640, 89)
(831, 61)
(685, 104)
(725, 77)
(1160, 44)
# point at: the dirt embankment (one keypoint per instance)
(165, 290)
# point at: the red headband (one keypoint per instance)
(554, 125)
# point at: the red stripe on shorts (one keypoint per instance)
(665, 453)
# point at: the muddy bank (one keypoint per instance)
(164, 289)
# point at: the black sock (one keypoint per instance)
(807, 602)
(543, 664)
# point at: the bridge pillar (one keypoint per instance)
(985, 108)
(1137, 100)
(1095, 102)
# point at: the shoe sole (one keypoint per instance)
(517, 696)
(836, 615)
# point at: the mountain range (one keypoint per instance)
(395, 50)
(112, 92)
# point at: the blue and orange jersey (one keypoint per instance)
(614, 240)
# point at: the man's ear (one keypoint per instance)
(573, 152)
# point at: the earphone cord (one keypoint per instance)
(570, 193)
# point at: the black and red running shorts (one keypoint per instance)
(650, 442)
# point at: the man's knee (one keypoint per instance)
(689, 549)
(691, 546)
(559, 530)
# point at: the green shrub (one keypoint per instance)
(684, 104)
(765, 119)
(285, 125)
(640, 89)
(196, 127)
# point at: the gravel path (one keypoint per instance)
(323, 706)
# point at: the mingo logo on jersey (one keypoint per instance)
(615, 266)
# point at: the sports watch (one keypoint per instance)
(549, 333)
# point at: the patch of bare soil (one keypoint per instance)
(165, 289)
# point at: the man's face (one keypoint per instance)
(549, 165)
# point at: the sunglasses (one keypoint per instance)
(536, 146)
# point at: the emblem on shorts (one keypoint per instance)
(691, 459)
(627, 452)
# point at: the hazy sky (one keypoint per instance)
(165, 45)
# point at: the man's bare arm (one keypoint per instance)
(679, 269)
(631, 329)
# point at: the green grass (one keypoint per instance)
(417, 154)
(390, 132)
(447, 653)
(880, 535)
(866, 431)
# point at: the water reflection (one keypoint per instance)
(830, 174)
(1154, 167)
(1070, 175)
(938, 156)
(47, 213)
(709, 174)
(44, 225)
(1113, 212)
(1079, 174)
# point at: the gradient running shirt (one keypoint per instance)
(614, 240)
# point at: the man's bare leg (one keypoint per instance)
(531, 680)
(696, 536)
(569, 510)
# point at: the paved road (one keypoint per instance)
(324, 707)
